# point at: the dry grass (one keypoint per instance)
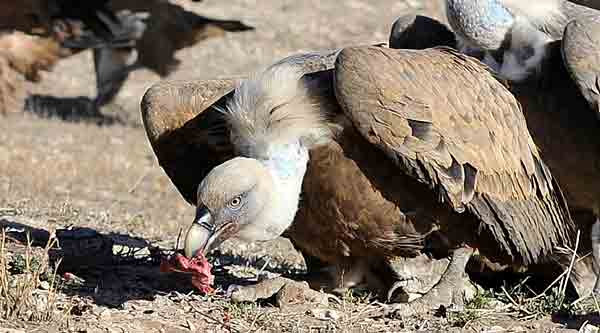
(29, 286)
(520, 302)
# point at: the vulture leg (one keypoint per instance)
(111, 65)
(453, 289)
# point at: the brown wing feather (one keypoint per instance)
(188, 135)
(447, 122)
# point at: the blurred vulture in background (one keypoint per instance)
(124, 35)
(511, 34)
(359, 156)
(561, 102)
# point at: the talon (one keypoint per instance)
(450, 291)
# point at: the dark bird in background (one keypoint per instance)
(171, 28)
(359, 156)
(562, 107)
(124, 35)
(588, 3)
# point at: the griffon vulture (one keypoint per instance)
(511, 34)
(562, 107)
(359, 160)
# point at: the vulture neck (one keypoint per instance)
(287, 165)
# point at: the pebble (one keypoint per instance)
(588, 328)
(104, 314)
(190, 326)
(45, 285)
(325, 314)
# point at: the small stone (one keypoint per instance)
(104, 314)
(190, 326)
(588, 328)
(325, 314)
(294, 293)
(41, 303)
(252, 293)
(289, 292)
(496, 304)
(45, 285)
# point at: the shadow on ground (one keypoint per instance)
(578, 321)
(71, 109)
(115, 268)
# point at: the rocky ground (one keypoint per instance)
(57, 174)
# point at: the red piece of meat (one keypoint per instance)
(198, 267)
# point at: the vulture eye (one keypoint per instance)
(235, 202)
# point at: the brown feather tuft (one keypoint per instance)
(29, 54)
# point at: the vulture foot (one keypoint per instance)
(453, 289)
(288, 293)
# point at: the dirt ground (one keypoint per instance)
(58, 173)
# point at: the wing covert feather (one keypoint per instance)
(445, 120)
(438, 111)
(188, 135)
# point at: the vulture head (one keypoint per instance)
(255, 196)
(232, 200)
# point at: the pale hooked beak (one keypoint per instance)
(203, 235)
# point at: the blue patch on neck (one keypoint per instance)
(497, 12)
(287, 160)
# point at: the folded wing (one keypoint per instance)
(444, 119)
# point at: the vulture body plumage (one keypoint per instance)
(358, 156)
(561, 104)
